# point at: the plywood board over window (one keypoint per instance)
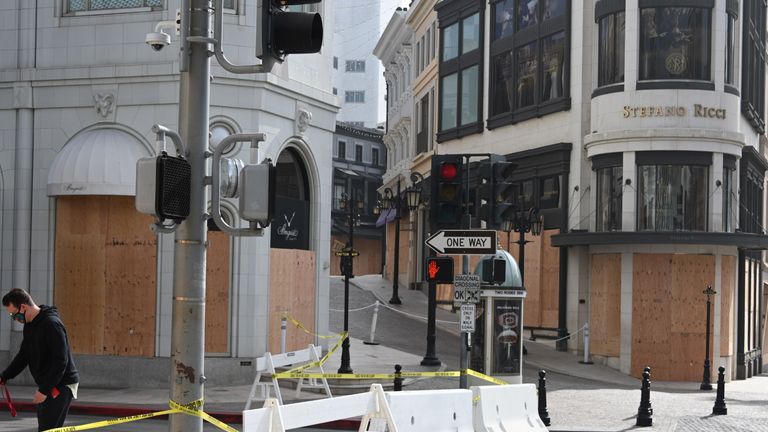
(294, 292)
(217, 308)
(605, 305)
(105, 274)
(669, 314)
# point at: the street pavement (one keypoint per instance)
(580, 397)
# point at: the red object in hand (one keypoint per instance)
(55, 393)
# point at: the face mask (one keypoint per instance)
(19, 317)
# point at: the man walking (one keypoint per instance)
(45, 349)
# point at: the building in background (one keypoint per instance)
(637, 129)
(357, 74)
(359, 161)
(79, 92)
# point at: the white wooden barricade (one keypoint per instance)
(513, 407)
(371, 406)
(432, 410)
(268, 365)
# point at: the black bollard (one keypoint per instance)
(645, 412)
(543, 412)
(398, 378)
(720, 408)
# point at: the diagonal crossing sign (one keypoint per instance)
(463, 242)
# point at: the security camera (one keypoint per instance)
(158, 40)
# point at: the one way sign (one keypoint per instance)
(463, 242)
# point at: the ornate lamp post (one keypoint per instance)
(394, 203)
(525, 221)
(352, 205)
(705, 380)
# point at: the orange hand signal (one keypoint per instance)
(433, 269)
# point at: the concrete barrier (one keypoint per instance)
(511, 407)
(432, 410)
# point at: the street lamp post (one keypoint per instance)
(394, 203)
(522, 222)
(705, 380)
(350, 204)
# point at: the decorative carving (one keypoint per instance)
(105, 103)
(303, 117)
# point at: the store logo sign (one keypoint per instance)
(698, 110)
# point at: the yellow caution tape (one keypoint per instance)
(342, 336)
(295, 375)
(485, 377)
(193, 408)
(302, 327)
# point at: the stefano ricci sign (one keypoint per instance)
(696, 110)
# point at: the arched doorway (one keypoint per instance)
(105, 256)
(292, 263)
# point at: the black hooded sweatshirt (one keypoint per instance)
(45, 349)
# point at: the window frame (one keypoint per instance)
(603, 10)
(536, 34)
(679, 159)
(610, 161)
(354, 66)
(89, 11)
(350, 96)
(753, 60)
(664, 83)
(450, 13)
(731, 30)
(358, 153)
(341, 145)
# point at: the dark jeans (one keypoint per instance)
(53, 411)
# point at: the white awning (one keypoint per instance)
(97, 162)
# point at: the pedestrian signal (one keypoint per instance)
(439, 270)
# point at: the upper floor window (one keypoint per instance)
(461, 63)
(753, 64)
(357, 96)
(610, 183)
(672, 191)
(92, 5)
(335, 62)
(675, 41)
(375, 157)
(729, 194)
(732, 10)
(610, 41)
(358, 153)
(355, 66)
(529, 59)
(342, 150)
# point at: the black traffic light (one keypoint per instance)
(497, 191)
(439, 270)
(447, 183)
(286, 32)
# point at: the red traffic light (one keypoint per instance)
(448, 171)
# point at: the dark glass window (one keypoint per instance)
(672, 197)
(730, 48)
(549, 192)
(529, 58)
(358, 153)
(375, 157)
(675, 43)
(753, 64)
(526, 72)
(609, 198)
(729, 174)
(611, 49)
(460, 69)
(342, 150)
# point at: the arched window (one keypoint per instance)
(290, 228)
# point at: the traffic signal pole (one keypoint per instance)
(188, 306)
